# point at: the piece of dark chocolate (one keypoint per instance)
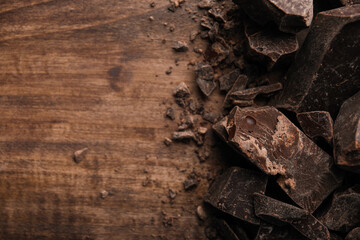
(290, 15)
(205, 78)
(206, 4)
(239, 84)
(227, 81)
(232, 193)
(277, 212)
(79, 155)
(344, 211)
(325, 71)
(170, 113)
(353, 234)
(183, 135)
(270, 46)
(347, 135)
(249, 95)
(180, 46)
(210, 117)
(190, 184)
(277, 147)
(316, 124)
(182, 91)
(271, 232)
(217, 52)
(220, 129)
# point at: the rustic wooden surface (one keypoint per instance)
(77, 74)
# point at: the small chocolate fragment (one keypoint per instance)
(193, 35)
(270, 232)
(277, 212)
(205, 78)
(277, 147)
(217, 53)
(353, 234)
(167, 141)
(239, 84)
(325, 73)
(180, 46)
(182, 91)
(206, 4)
(247, 96)
(232, 192)
(220, 129)
(172, 194)
(347, 135)
(218, 14)
(227, 81)
(104, 194)
(170, 113)
(290, 15)
(270, 46)
(200, 212)
(316, 124)
(210, 116)
(183, 135)
(190, 184)
(344, 211)
(168, 71)
(79, 155)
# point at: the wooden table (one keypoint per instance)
(77, 74)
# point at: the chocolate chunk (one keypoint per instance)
(193, 35)
(325, 71)
(205, 78)
(232, 192)
(239, 84)
(206, 4)
(217, 53)
(170, 113)
(353, 234)
(220, 129)
(290, 15)
(201, 213)
(270, 46)
(277, 147)
(190, 184)
(277, 212)
(180, 46)
(270, 232)
(347, 135)
(218, 14)
(168, 71)
(344, 211)
(167, 141)
(210, 116)
(183, 135)
(182, 91)
(316, 124)
(227, 81)
(247, 96)
(79, 155)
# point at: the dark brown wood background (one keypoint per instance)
(77, 74)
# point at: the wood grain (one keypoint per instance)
(77, 74)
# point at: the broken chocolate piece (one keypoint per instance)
(205, 78)
(218, 14)
(193, 35)
(180, 46)
(206, 4)
(216, 53)
(190, 184)
(182, 91)
(227, 81)
(277, 147)
(344, 211)
(220, 129)
(79, 155)
(290, 15)
(247, 96)
(167, 141)
(210, 116)
(270, 46)
(277, 212)
(232, 192)
(316, 124)
(239, 84)
(353, 234)
(200, 212)
(183, 135)
(270, 232)
(323, 74)
(347, 135)
(170, 113)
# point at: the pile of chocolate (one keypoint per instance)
(304, 173)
